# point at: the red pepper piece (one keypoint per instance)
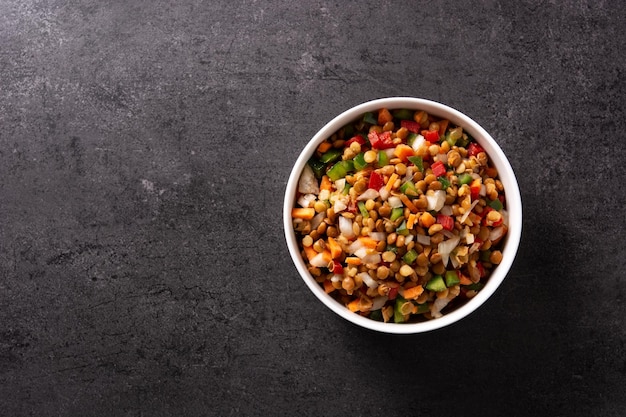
(357, 138)
(337, 267)
(438, 168)
(410, 125)
(380, 140)
(475, 189)
(446, 221)
(393, 293)
(474, 149)
(376, 181)
(431, 135)
(481, 269)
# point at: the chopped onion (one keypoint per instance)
(340, 184)
(505, 217)
(355, 246)
(369, 194)
(442, 157)
(395, 202)
(307, 182)
(496, 233)
(437, 200)
(305, 200)
(419, 141)
(371, 258)
(483, 190)
(368, 280)
(339, 206)
(447, 210)
(378, 302)
(467, 212)
(408, 239)
(362, 252)
(423, 240)
(336, 278)
(384, 194)
(380, 236)
(319, 261)
(438, 305)
(317, 220)
(444, 248)
(345, 227)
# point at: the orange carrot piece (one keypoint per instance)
(403, 152)
(390, 182)
(407, 202)
(427, 219)
(410, 222)
(303, 213)
(354, 305)
(384, 116)
(368, 242)
(328, 286)
(443, 126)
(335, 248)
(353, 260)
(325, 183)
(464, 280)
(413, 292)
(323, 147)
(310, 252)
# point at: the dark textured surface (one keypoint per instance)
(144, 150)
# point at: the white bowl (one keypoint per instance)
(506, 175)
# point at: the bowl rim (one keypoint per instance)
(505, 173)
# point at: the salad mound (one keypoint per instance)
(400, 216)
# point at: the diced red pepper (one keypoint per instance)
(431, 135)
(356, 138)
(393, 293)
(474, 149)
(446, 221)
(481, 269)
(380, 140)
(337, 268)
(438, 168)
(376, 181)
(410, 125)
(475, 189)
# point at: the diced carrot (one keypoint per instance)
(325, 183)
(408, 203)
(403, 151)
(410, 222)
(327, 256)
(392, 179)
(335, 248)
(328, 286)
(354, 305)
(384, 116)
(303, 213)
(491, 172)
(443, 126)
(353, 260)
(323, 147)
(427, 219)
(413, 292)
(464, 280)
(310, 252)
(368, 242)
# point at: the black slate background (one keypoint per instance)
(144, 151)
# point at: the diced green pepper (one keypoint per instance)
(402, 230)
(417, 161)
(383, 159)
(317, 166)
(408, 188)
(370, 118)
(396, 213)
(362, 209)
(410, 139)
(485, 255)
(359, 161)
(346, 189)
(495, 204)
(465, 178)
(410, 257)
(476, 286)
(330, 156)
(348, 131)
(444, 182)
(340, 170)
(376, 315)
(403, 114)
(398, 316)
(391, 248)
(436, 284)
(451, 278)
(422, 308)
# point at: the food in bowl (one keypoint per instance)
(400, 216)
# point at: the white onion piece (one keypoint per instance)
(355, 246)
(336, 278)
(345, 227)
(380, 236)
(307, 182)
(361, 252)
(340, 184)
(438, 305)
(371, 258)
(444, 248)
(369, 194)
(408, 239)
(419, 141)
(319, 261)
(496, 233)
(389, 152)
(442, 157)
(467, 213)
(437, 200)
(306, 200)
(395, 202)
(368, 280)
(505, 217)
(339, 206)
(423, 240)
(378, 302)
(483, 190)
(384, 194)
(447, 210)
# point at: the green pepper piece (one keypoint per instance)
(485, 255)
(410, 139)
(436, 284)
(417, 161)
(476, 286)
(391, 248)
(340, 170)
(402, 230)
(317, 166)
(410, 257)
(403, 114)
(331, 156)
(408, 188)
(495, 204)
(451, 278)
(363, 210)
(376, 315)
(396, 213)
(383, 159)
(348, 131)
(370, 118)
(398, 316)
(444, 182)
(465, 178)
(422, 308)
(359, 161)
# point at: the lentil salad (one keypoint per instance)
(400, 216)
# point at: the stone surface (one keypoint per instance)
(144, 150)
